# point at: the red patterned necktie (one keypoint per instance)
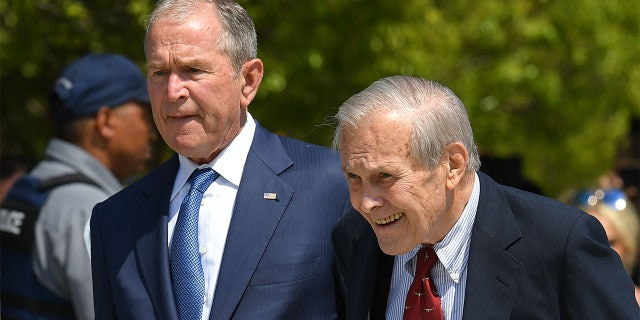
(423, 301)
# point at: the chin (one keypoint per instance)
(392, 247)
(188, 147)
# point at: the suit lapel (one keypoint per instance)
(150, 231)
(254, 220)
(492, 273)
(368, 276)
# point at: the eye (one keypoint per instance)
(384, 175)
(385, 179)
(195, 70)
(159, 73)
(352, 175)
(353, 181)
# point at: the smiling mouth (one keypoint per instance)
(389, 219)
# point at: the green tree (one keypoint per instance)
(553, 82)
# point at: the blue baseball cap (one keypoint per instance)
(94, 81)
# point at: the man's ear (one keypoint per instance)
(252, 72)
(103, 119)
(456, 156)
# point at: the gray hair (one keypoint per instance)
(238, 39)
(440, 117)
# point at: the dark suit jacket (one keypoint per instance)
(530, 258)
(278, 261)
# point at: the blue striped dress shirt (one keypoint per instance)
(449, 273)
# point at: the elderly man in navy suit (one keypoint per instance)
(486, 251)
(248, 234)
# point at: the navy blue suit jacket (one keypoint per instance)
(278, 261)
(530, 258)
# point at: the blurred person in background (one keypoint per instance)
(628, 163)
(625, 175)
(620, 221)
(12, 167)
(102, 136)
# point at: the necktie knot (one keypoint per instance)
(201, 179)
(425, 259)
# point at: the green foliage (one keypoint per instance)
(555, 82)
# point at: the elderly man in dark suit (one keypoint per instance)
(411, 164)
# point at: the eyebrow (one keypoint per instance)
(178, 62)
(154, 65)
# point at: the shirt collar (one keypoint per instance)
(229, 163)
(453, 250)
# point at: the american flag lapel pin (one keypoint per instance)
(269, 196)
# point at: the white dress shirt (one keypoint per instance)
(216, 207)
(450, 271)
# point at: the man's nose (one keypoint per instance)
(370, 199)
(176, 89)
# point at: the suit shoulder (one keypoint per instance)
(291, 143)
(301, 150)
(542, 204)
(501, 205)
(549, 217)
(160, 179)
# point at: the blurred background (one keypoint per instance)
(552, 87)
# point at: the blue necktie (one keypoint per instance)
(186, 267)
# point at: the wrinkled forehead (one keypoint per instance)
(374, 140)
(376, 128)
